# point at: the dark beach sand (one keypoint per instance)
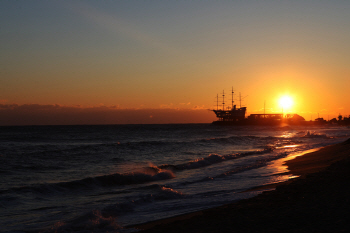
(317, 201)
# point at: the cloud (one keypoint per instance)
(36, 114)
(165, 106)
(199, 107)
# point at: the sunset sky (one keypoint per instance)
(72, 62)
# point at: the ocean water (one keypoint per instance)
(104, 178)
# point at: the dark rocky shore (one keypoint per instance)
(317, 201)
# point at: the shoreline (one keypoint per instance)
(310, 168)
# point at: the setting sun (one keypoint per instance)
(286, 102)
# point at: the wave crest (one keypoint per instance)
(147, 175)
(213, 159)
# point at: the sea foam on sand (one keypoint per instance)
(317, 201)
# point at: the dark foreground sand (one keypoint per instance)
(317, 201)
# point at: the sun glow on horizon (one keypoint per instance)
(286, 102)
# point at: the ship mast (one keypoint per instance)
(232, 98)
(223, 100)
(217, 102)
(240, 100)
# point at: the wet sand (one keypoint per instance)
(317, 201)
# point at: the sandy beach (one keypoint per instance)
(317, 201)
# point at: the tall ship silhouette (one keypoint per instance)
(230, 114)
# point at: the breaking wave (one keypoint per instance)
(213, 159)
(105, 220)
(159, 193)
(257, 164)
(147, 175)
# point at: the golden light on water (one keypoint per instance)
(290, 146)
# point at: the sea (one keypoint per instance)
(106, 178)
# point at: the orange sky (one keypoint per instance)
(156, 56)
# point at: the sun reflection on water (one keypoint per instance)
(291, 146)
(278, 167)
